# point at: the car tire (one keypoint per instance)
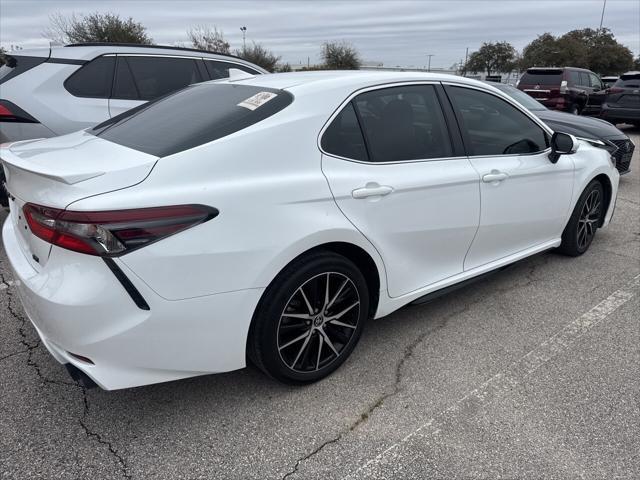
(584, 222)
(302, 329)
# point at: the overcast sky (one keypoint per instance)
(393, 32)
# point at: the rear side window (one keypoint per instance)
(93, 79)
(217, 69)
(157, 76)
(17, 64)
(494, 127)
(192, 117)
(403, 123)
(542, 77)
(344, 137)
(574, 78)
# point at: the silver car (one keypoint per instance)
(54, 91)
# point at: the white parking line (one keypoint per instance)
(514, 373)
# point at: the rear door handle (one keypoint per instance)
(495, 177)
(372, 189)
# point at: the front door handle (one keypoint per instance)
(372, 189)
(495, 177)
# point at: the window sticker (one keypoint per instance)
(257, 100)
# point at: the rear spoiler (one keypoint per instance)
(11, 160)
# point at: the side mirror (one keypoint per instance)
(562, 144)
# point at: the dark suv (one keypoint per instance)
(573, 90)
(622, 101)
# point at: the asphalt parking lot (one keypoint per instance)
(531, 373)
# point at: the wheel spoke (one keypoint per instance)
(342, 324)
(320, 343)
(306, 300)
(297, 339)
(302, 348)
(335, 296)
(339, 315)
(304, 316)
(328, 341)
(326, 293)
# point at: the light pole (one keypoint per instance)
(604, 5)
(244, 43)
(429, 65)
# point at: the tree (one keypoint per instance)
(283, 67)
(2, 56)
(96, 27)
(259, 55)
(340, 56)
(636, 63)
(203, 37)
(492, 58)
(595, 50)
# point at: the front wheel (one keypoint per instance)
(584, 221)
(310, 319)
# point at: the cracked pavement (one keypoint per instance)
(432, 385)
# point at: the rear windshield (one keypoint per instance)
(542, 77)
(16, 64)
(194, 116)
(628, 81)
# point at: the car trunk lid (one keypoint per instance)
(58, 171)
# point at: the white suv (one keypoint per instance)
(54, 91)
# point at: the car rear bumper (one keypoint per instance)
(15, 131)
(78, 306)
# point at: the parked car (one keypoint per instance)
(622, 102)
(569, 89)
(60, 90)
(608, 81)
(589, 128)
(273, 216)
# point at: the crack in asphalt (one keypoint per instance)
(407, 354)
(29, 349)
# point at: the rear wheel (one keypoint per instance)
(584, 221)
(310, 319)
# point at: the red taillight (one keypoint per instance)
(615, 90)
(112, 233)
(5, 112)
(10, 112)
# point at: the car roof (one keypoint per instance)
(533, 69)
(349, 79)
(89, 51)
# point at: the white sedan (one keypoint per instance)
(269, 218)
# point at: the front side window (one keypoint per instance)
(595, 81)
(157, 76)
(92, 80)
(403, 123)
(493, 126)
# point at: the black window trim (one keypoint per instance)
(505, 98)
(456, 149)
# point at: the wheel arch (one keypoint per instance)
(605, 181)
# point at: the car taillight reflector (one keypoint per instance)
(10, 112)
(615, 90)
(112, 233)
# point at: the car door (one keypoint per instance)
(596, 96)
(396, 174)
(140, 78)
(525, 198)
